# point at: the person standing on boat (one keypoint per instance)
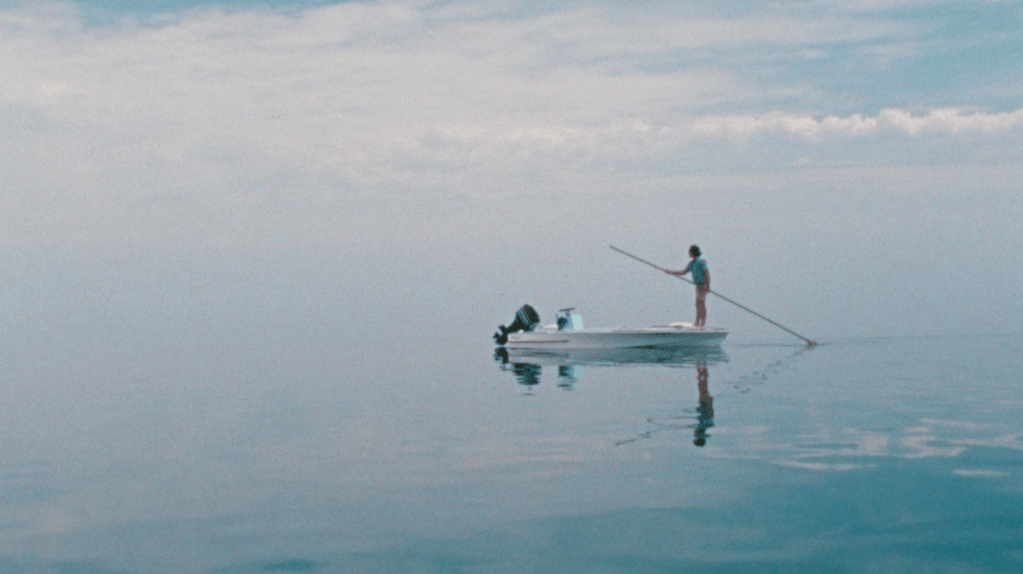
(701, 278)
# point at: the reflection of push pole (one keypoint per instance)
(705, 412)
(810, 342)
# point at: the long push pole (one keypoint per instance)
(810, 342)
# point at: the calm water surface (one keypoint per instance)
(296, 448)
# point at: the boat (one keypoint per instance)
(570, 334)
(667, 356)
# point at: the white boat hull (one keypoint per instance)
(570, 339)
(677, 356)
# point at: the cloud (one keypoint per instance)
(206, 113)
(938, 121)
(354, 88)
(952, 120)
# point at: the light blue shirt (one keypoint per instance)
(699, 268)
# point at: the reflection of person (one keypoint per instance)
(704, 412)
(701, 277)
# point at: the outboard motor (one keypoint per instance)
(525, 319)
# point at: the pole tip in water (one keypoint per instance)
(811, 342)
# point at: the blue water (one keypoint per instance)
(252, 443)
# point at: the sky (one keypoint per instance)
(844, 164)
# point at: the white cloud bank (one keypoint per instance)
(364, 96)
(358, 89)
(937, 121)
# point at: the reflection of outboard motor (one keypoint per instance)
(525, 319)
(501, 356)
(527, 373)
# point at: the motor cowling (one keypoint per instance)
(526, 318)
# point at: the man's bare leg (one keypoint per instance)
(701, 308)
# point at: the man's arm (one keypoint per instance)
(681, 272)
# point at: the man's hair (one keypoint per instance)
(694, 250)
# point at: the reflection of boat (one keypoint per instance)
(527, 364)
(569, 334)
